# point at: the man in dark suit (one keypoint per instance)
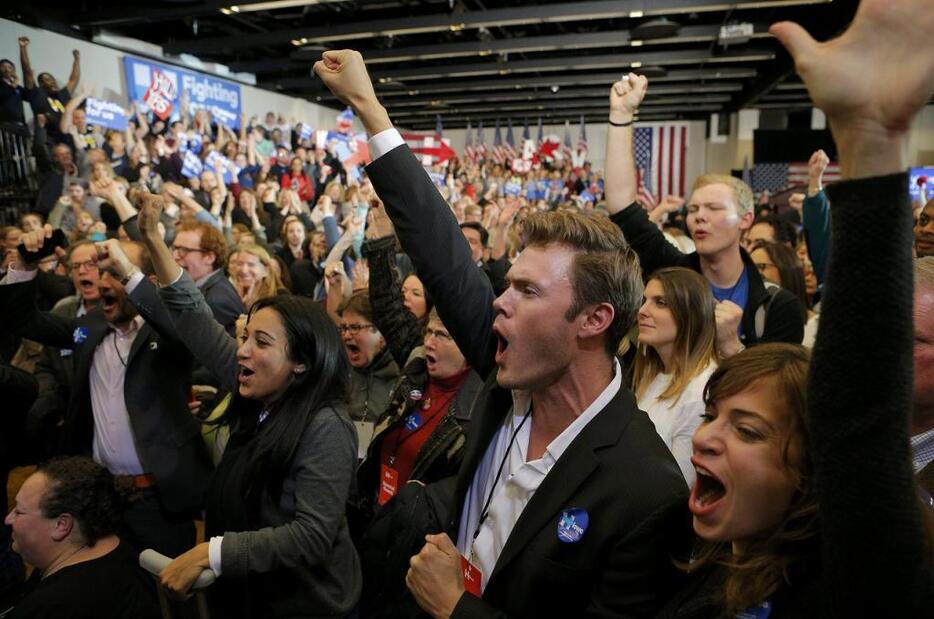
(201, 250)
(568, 504)
(129, 400)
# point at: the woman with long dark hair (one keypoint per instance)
(275, 508)
(677, 354)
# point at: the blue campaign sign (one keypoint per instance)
(105, 113)
(159, 88)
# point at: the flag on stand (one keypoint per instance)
(481, 147)
(566, 151)
(345, 121)
(581, 145)
(775, 177)
(644, 194)
(747, 173)
(541, 133)
(525, 130)
(499, 155)
(509, 146)
(439, 130)
(661, 152)
(470, 151)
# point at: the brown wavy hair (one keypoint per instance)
(767, 563)
(692, 306)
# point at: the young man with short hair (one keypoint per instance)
(720, 210)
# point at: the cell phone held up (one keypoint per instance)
(48, 247)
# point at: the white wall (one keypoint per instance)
(102, 70)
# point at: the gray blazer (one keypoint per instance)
(305, 536)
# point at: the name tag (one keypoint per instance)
(388, 483)
(472, 577)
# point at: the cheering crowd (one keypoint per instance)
(465, 391)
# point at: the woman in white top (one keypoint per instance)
(677, 354)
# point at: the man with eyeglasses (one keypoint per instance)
(200, 249)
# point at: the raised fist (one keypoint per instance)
(627, 94)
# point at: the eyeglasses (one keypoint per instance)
(442, 336)
(353, 328)
(88, 264)
(184, 251)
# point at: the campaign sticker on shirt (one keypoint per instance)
(80, 335)
(572, 525)
(415, 394)
(413, 421)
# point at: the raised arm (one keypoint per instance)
(815, 215)
(29, 78)
(66, 124)
(75, 76)
(625, 97)
(424, 223)
(206, 338)
(859, 406)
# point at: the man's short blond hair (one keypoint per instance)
(742, 193)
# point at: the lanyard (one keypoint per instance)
(489, 499)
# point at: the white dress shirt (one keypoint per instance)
(519, 480)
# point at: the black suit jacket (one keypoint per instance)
(618, 469)
(156, 389)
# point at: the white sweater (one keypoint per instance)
(675, 420)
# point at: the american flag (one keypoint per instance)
(481, 147)
(541, 132)
(660, 151)
(644, 193)
(775, 177)
(509, 146)
(470, 151)
(498, 154)
(439, 129)
(582, 141)
(566, 147)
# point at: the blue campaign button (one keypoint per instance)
(415, 394)
(413, 421)
(572, 524)
(80, 335)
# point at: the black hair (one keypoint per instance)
(473, 225)
(783, 230)
(790, 270)
(85, 489)
(313, 341)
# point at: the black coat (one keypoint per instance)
(785, 317)
(156, 389)
(618, 468)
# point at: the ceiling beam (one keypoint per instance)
(574, 63)
(573, 114)
(559, 96)
(538, 107)
(455, 22)
(561, 42)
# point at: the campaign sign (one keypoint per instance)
(914, 186)
(159, 88)
(106, 114)
(306, 131)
